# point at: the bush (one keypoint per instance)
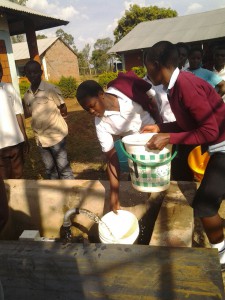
(106, 77)
(68, 86)
(139, 71)
(23, 85)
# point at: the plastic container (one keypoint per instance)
(123, 160)
(149, 169)
(198, 162)
(121, 228)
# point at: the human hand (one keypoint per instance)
(26, 147)
(150, 128)
(114, 203)
(63, 111)
(158, 141)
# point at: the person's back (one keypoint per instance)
(13, 138)
(10, 133)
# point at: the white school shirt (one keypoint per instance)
(162, 102)
(129, 120)
(10, 106)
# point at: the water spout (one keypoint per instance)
(66, 220)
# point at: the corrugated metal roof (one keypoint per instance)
(189, 28)
(20, 50)
(16, 15)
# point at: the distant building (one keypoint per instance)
(17, 19)
(57, 58)
(205, 29)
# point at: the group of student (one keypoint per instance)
(181, 107)
(195, 115)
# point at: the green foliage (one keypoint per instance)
(68, 86)
(41, 36)
(18, 38)
(84, 60)
(23, 85)
(67, 38)
(106, 77)
(139, 71)
(21, 2)
(137, 14)
(100, 58)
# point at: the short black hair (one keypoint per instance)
(182, 45)
(195, 49)
(32, 62)
(164, 52)
(87, 89)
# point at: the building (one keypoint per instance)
(205, 29)
(57, 58)
(18, 19)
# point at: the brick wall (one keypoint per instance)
(5, 63)
(133, 59)
(61, 61)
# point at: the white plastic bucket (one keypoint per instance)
(149, 169)
(121, 228)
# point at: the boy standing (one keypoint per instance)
(12, 132)
(200, 120)
(43, 101)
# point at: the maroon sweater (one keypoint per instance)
(199, 112)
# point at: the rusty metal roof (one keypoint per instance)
(20, 50)
(16, 14)
(190, 28)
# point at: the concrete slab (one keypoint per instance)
(41, 204)
(175, 223)
(38, 270)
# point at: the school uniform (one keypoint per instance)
(200, 120)
(129, 120)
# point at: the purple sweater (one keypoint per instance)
(199, 112)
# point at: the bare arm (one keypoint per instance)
(221, 88)
(113, 170)
(20, 120)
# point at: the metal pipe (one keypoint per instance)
(66, 220)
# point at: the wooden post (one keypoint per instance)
(31, 40)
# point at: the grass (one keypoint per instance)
(83, 148)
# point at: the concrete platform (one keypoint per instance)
(94, 271)
(41, 204)
(175, 222)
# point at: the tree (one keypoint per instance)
(21, 2)
(67, 38)
(136, 15)
(100, 57)
(84, 59)
(41, 36)
(18, 38)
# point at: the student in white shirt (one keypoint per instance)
(115, 114)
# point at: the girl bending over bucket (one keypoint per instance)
(122, 110)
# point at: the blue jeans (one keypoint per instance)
(56, 162)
